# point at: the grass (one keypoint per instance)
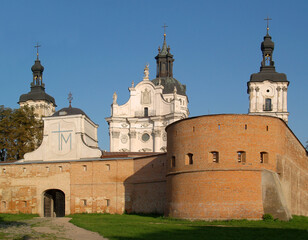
(6, 218)
(120, 227)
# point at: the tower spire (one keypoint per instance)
(267, 26)
(164, 48)
(164, 59)
(37, 70)
(70, 98)
(37, 50)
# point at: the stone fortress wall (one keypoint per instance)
(112, 185)
(235, 166)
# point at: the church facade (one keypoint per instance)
(139, 125)
(226, 166)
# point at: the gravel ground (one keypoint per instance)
(46, 228)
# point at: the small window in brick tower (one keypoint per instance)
(173, 161)
(146, 112)
(107, 202)
(189, 159)
(215, 156)
(263, 157)
(3, 203)
(241, 156)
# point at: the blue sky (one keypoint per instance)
(96, 47)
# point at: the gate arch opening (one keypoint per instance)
(54, 203)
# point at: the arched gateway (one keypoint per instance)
(54, 203)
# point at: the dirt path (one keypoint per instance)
(47, 228)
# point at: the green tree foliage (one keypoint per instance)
(20, 132)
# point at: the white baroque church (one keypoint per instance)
(139, 124)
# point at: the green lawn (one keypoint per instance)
(7, 218)
(120, 227)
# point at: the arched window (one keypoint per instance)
(241, 156)
(268, 104)
(215, 156)
(189, 159)
(263, 157)
(146, 112)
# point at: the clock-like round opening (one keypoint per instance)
(145, 137)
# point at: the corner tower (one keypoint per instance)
(44, 104)
(267, 89)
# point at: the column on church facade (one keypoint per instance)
(251, 100)
(284, 97)
(279, 100)
(115, 135)
(132, 141)
(257, 99)
(156, 136)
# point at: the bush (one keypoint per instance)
(267, 217)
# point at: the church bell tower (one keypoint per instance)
(267, 89)
(43, 104)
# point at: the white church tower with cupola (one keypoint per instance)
(267, 89)
(139, 124)
(44, 105)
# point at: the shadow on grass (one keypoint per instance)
(153, 215)
(222, 233)
(7, 223)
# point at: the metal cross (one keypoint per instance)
(70, 98)
(37, 47)
(267, 19)
(165, 26)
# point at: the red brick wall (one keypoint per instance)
(226, 134)
(147, 186)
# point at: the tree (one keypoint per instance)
(20, 132)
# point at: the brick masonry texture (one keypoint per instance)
(231, 189)
(165, 183)
(108, 185)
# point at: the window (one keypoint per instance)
(146, 112)
(84, 202)
(85, 168)
(107, 202)
(263, 157)
(47, 169)
(267, 59)
(193, 129)
(145, 137)
(173, 161)
(245, 126)
(3, 203)
(218, 126)
(4, 170)
(268, 104)
(241, 156)
(60, 168)
(108, 167)
(215, 156)
(189, 159)
(24, 169)
(25, 203)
